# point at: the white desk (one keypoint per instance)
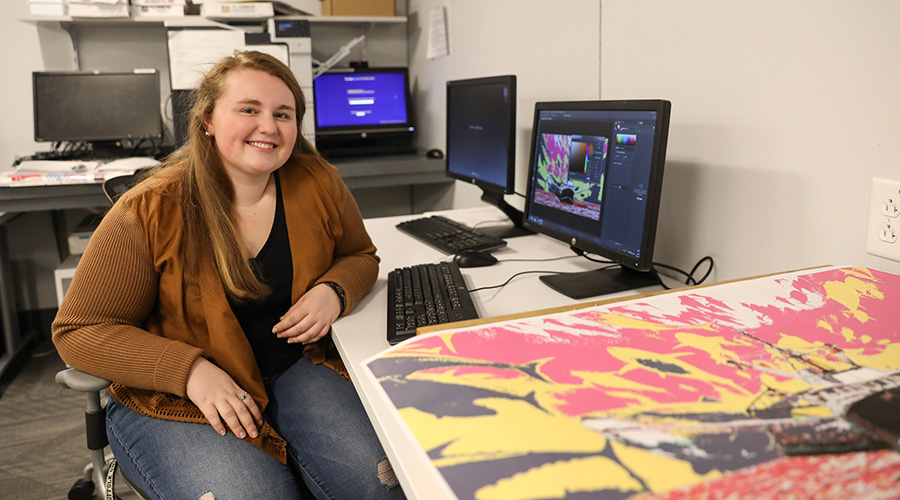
(362, 334)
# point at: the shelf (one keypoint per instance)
(96, 20)
(354, 19)
(190, 19)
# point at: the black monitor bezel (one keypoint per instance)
(36, 75)
(644, 262)
(345, 130)
(486, 186)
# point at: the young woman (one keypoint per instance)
(207, 295)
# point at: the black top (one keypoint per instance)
(273, 265)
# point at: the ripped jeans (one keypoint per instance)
(333, 450)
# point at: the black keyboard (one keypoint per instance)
(426, 294)
(448, 235)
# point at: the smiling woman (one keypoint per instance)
(207, 296)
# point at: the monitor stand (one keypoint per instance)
(515, 216)
(599, 282)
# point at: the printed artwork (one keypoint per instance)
(733, 391)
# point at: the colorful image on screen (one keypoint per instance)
(626, 139)
(559, 157)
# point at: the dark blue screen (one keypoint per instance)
(360, 99)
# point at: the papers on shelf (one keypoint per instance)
(98, 8)
(157, 8)
(159, 3)
(47, 7)
(129, 165)
(240, 10)
(51, 172)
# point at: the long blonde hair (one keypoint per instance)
(207, 192)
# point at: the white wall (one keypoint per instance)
(26, 48)
(782, 112)
(553, 48)
(23, 52)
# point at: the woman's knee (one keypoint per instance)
(192, 461)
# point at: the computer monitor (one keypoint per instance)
(363, 111)
(481, 142)
(595, 179)
(101, 108)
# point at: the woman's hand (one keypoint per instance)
(220, 398)
(310, 318)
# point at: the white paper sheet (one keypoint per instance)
(438, 43)
(193, 52)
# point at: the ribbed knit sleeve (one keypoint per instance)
(355, 264)
(100, 325)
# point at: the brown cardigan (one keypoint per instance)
(131, 315)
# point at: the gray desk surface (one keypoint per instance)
(57, 197)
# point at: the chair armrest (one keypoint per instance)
(71, 378)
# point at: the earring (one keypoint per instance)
(207, 133)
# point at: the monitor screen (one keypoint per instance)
(96, 106)
(481, 141)
(365, 99)
(595, 179)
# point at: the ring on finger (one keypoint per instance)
(243, 395)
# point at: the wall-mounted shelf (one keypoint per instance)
(355, 19)
(160, 20)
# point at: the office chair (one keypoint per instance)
(98, 481)
(99, 475)
(116, 186)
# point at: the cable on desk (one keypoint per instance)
(155, 146)
(538, 260)
(487, 222)
(690, 280)
(582, 253)
(489, 287)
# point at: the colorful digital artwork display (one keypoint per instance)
(562, 164)
(738, 390)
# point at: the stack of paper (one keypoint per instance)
(98, 8)
(54, 172)
(241, 10)
(47, 7)
(158, 8)
(48, 172)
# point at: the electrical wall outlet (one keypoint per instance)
(883, 234)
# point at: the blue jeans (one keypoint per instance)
(333, 451)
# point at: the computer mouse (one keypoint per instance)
(474, 258)
(435, 154)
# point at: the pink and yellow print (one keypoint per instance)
(657, 397)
